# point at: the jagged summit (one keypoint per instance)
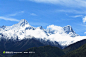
(17, 27)
(41, 27)
(23, 22)
(3, 27)
(68, 29)
(69, 25)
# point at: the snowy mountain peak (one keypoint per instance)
(3, 27)
(41, 27)
(23, 22)
(68, 26)
(68, 29)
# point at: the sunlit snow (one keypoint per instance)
(53, 33)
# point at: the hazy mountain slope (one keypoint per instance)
(19, 45)
(80, 52)
(11, 45)
(74, 46)
(44, 51)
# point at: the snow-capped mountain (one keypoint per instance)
(68, 29)
(63, 35)
(52, 29)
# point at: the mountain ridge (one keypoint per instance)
(53, 33)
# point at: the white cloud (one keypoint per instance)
(56, 28)
(14, 14)
(7, 17)
(84, 19)
(84, 32)
(10, 19)
(76, 16)
(71, 11)
(71, 3)
(33, 14)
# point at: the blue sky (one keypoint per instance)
(45, 12)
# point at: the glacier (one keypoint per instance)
(63, 35)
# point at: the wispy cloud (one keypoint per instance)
(71, 3)
(84, 19)
(82, 24)
(71, 11)
(10, 19)
(33, 14)
(76, 16)
(67, 19)
(84, 32)
(14, 14)
(8, 16)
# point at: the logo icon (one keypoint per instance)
(3, 52)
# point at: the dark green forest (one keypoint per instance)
(80, 52)
(77, 49)
(74, 46)
(51, 51)
(44, 51)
